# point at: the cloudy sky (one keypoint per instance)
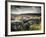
(25, 9)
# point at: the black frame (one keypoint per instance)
(6, 32)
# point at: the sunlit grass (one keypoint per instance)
(35, 27)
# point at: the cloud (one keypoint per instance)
(25, 9)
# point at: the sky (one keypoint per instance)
(25, 9)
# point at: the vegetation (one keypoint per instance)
(27, 24)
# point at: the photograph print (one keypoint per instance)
(25, 18)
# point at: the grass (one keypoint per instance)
(35, 27)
